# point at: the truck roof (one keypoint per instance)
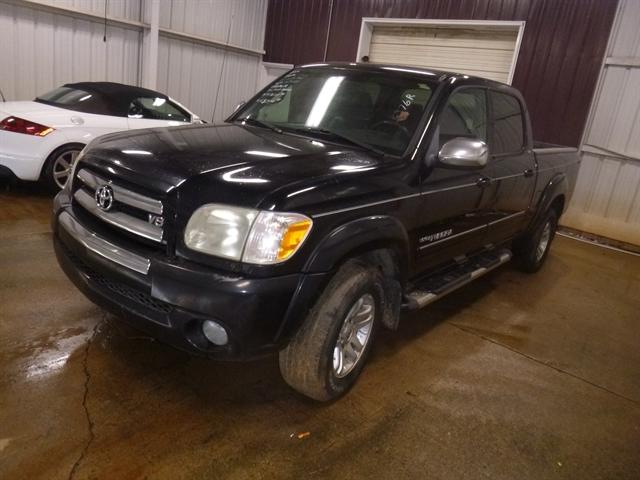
(439, 75)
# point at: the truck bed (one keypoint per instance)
(544, 148)
(552, 160)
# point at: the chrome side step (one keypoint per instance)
(438, 286)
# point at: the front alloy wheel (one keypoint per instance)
(327, 353)
(354, 335)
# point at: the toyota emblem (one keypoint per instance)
(104, 197)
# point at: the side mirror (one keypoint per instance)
(464, 153)
(239, 106)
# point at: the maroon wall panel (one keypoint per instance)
(296, 30)
(560, 56)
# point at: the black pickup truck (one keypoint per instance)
(338, 196)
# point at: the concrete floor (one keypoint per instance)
(513, 377)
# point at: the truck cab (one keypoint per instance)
(336, 197)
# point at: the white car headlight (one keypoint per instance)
(244, 234)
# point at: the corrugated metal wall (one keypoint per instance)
(607, 197)
(297, 31)
(205, 82)
(42, 48)
(242, 22)
(557, 70)
(238, 22)
(127, 9)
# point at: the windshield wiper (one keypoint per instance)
(259, 123)
(338, 136)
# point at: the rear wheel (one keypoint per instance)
(58, 166)
(327, 354)
(532, 249)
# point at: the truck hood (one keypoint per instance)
(224, 163)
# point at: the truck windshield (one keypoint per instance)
(375, 110)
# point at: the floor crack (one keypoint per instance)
(116, 326)
(87, 378)
(542, 362)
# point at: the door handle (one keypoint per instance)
(483, 182)
(528, 173)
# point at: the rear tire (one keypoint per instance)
(327, 354)
(531, 250)
(57, 168)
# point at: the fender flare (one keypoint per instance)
(360, 235)
(354, 238)
(558, 185)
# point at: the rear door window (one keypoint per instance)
(507, 132)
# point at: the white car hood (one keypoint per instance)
(41, 113)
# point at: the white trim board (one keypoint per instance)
(369, 23)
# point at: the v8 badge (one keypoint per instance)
(156, 220)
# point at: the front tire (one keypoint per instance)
(327, 354)
(57, 168)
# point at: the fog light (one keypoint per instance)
(215, 333)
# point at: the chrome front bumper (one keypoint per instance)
(102, 247)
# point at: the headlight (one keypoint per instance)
(244, 234)
(274, 237)
(219, 230)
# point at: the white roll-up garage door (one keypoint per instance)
(481, 50)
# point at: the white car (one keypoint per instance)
(40, 140)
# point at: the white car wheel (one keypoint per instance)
(62, 166)
(59, 165)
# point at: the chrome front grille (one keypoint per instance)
(129, 211)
